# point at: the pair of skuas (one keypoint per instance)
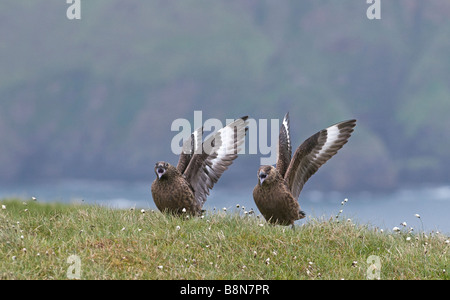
(183, 189)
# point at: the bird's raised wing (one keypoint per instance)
(284, 147)
(219, 151)
(190, 147)
(314, 152)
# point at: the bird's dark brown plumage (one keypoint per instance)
(278, 188)
(183, 189)
(172, 193)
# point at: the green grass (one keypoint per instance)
(36, 239)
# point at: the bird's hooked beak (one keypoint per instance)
(262, 176)
(160, 171)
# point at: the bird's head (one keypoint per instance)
(161, 169)
(266, 175)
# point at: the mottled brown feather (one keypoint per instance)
(308, 157)
(190, 146)
(276, 193)
(274, 200)
(219, 151)
(172, 193)
(183, 189)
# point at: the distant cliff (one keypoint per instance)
(95, 98)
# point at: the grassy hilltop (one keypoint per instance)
(37, 239)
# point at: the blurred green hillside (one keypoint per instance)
(95, 98)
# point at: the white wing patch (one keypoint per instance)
(332, 137)
(197, 141)
(219, 151)
(314, 152)
(228, 145)
(288, 134)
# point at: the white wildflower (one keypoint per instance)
(3, 206)
(183, 210)
(403, 224)
(396, 229)
(178, 227)
(417, 216)
(143, 211)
